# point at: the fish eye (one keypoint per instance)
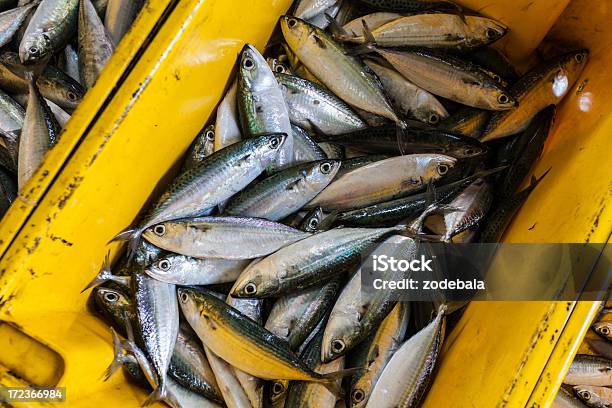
(471, 151)
(338, 346)
(605, 330)
(248, 63)
(503, 98)
(71, 96)
(434, 118)
(250, 288)
(159, 230)
(313, 223)
(184, 297)
(585, 395)
(164, 264)
(291, 22)
(357, 395)
(274, 142)
(210, 136)
(579, 58)
(325, 167)
(442, 169)
(111, 297)
(280, 69)
(491, 33)
(278, 388)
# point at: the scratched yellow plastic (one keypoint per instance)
(500, 354)
(123, 150)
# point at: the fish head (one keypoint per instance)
(167, 235)
(255, 74)
(485, 30)
(427, 109)
(296, 31)
(323, 172)
(337, 336)
(590, 395)
(566, 72)
(268, 146)
(34, 47)
(255, 282)
(190, 302)
(603, 329)
(170, 265)
(435, 166)
(279, 67)
(111, 300)
(64, 91)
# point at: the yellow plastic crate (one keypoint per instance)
(147, 106)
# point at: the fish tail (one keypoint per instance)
(119, 356)
(133, 235)
(125, 236)
(369, 44)
(162, 394)
(332, 383)
(106, 274)
(536, 180)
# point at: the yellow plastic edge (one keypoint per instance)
(162, 104)
(83, 116)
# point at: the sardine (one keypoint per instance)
(185, 270)
(202, 147)
(284, 192)
(54, 84)
(407, 98)
(383, 180)
(436, 30)
(295, 316)
(312, 106)
(261, 106)
(95, 46)
(387, 339)
(312, 260)
(53, 24)
(358, 313)
(11, 20)
(343, 74)
(408, 374)
(39, 133)
(593, 396)
(227, 125)
(120, 14)
(604, 329)
(242, 342)
(544, 85)
(450, 77)
(566, 399)
(589, 370)
(222, 237)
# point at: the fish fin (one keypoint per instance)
(320, 136)
(133, 235)
(119, 358)
(124, 236)
(369, 44)
(485, 173)
(158, 395)
(533, 183)
(337, 31)
(106, 274)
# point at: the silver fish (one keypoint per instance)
(227, 125)
(312, 106)
(158, 324)
(53, 24)
(222, 237)
(95, 46)
(11, 20)
(261, 106)
(184, 270)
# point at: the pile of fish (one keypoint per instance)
(372, 124)
(588, 382)
(52, 52)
